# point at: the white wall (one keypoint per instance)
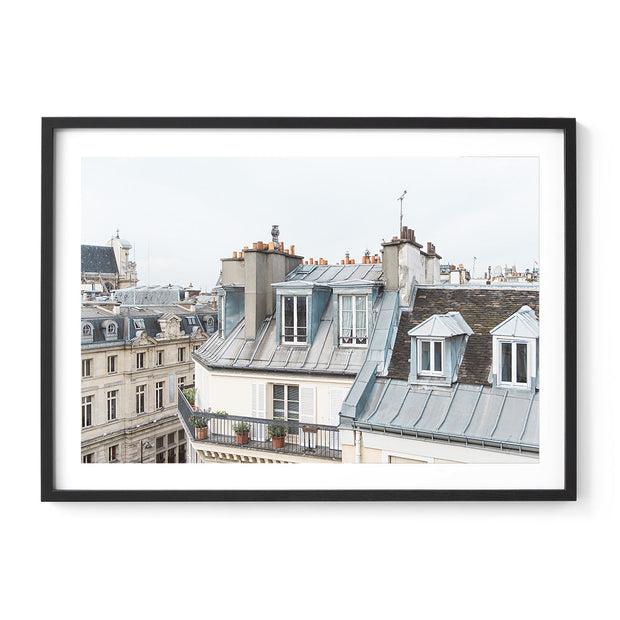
(467, 560)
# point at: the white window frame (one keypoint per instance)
(354, 327)
(180, 354)
(87, 330)
(296, 327)
(513, 371)
(159, 394)
(112, 360)
(140, 403)
(87, 410)
(138, 324)
(159, 355)
(433, 372)
(111, 404)
(286, 401)
(87, 367)
(140, 360)
(115, 449)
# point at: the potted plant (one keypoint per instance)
(242, 430)
(277, 433)
(200, 425)
(190, 395)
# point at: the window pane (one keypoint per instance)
(521, 363)
(438, 364)
(288, 312)
(506, 361)
(347, 318)
(293, 396)
(361, 330)
(301, 314)
(426, 355)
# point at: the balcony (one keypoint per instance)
(316, 440)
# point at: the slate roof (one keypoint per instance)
(127, 330)
(467, 413)
(482, 308)
(149, 295)
(98, 259)
(267, 352)
(330, 274)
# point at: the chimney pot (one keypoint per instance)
(234, 254)
(293, 249)
(259, 245)
(254, 246)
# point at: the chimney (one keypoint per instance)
(264, 267)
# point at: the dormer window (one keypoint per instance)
(110, 329)
(138, 323)
(87, 332)
(513, 362)
(437, 349)
(295, 319)
(430, 357)
(192, 320)
(515, 349)
(354, 320)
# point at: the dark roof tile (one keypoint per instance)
(482, 308)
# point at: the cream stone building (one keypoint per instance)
(134, 357)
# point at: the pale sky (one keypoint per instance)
(183, 214)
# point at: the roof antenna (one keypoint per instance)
(400, 233)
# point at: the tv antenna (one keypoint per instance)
(400, 231)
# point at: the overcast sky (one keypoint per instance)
(183, 214)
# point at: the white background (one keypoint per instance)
(325, 58)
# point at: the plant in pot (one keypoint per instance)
(190, 395)
(242, 430)
(200, 425)
(277, 433)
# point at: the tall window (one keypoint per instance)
(181, 354)
(86, 367)
(113, 453)
(111, 400)
(140, 360)
(430, 357)
(286, 402)
(295, 319)
(160, 358)
(140, 398)
(112, 364)
(87, 411)
(88, 458)
(513, 362)
(159, 395)
(181, 381)
(354, 319)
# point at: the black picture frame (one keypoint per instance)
(49, 128)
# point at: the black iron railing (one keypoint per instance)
(282, 436)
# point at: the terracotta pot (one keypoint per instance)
(202, 433)
(243, 437)
(278, 442)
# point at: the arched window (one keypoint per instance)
(87, 329)
(112, 328)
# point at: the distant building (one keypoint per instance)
(134, 358)
(106, 268)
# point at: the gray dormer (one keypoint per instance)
(299, 308)
(437, 349)
(230, 307)
(515, 351)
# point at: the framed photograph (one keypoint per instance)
(308, 309)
